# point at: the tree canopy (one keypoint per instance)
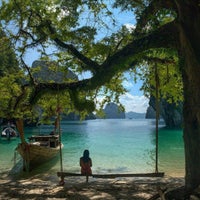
(64, 27)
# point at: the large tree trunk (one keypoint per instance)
(189, 18)
(191, 113)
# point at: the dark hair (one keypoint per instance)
(86, 155)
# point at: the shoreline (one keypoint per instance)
(46, 186)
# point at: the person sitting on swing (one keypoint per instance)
(86, 164)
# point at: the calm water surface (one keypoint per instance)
(116, 146)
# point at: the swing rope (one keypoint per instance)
(58, 127)
(157, 115)
(60, 140)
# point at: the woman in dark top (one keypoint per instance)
(86, 163)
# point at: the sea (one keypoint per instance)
(115, 146)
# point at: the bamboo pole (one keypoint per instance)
(20, 128)
(26, 159)
(59, 132)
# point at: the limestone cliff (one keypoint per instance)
(112, 112)
(171, 113)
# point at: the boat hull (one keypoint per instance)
(33, 154)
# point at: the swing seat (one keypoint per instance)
(157, 174)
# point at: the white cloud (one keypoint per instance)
(130, 102)
(128, 84)
(133, 103)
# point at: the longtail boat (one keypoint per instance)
(8, 133)
(39, 149)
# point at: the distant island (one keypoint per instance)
(112, 111)
(135, 115)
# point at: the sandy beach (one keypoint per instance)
(75, 188)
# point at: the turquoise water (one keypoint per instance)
(116, 146)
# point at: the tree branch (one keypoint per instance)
(164, 37)
(151, 10)
(93, 66)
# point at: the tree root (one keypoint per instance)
(173, 194)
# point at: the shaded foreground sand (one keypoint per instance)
(46, 187)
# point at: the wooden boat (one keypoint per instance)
(9, 133)
(39, 149)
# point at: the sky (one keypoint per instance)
(133, 100)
